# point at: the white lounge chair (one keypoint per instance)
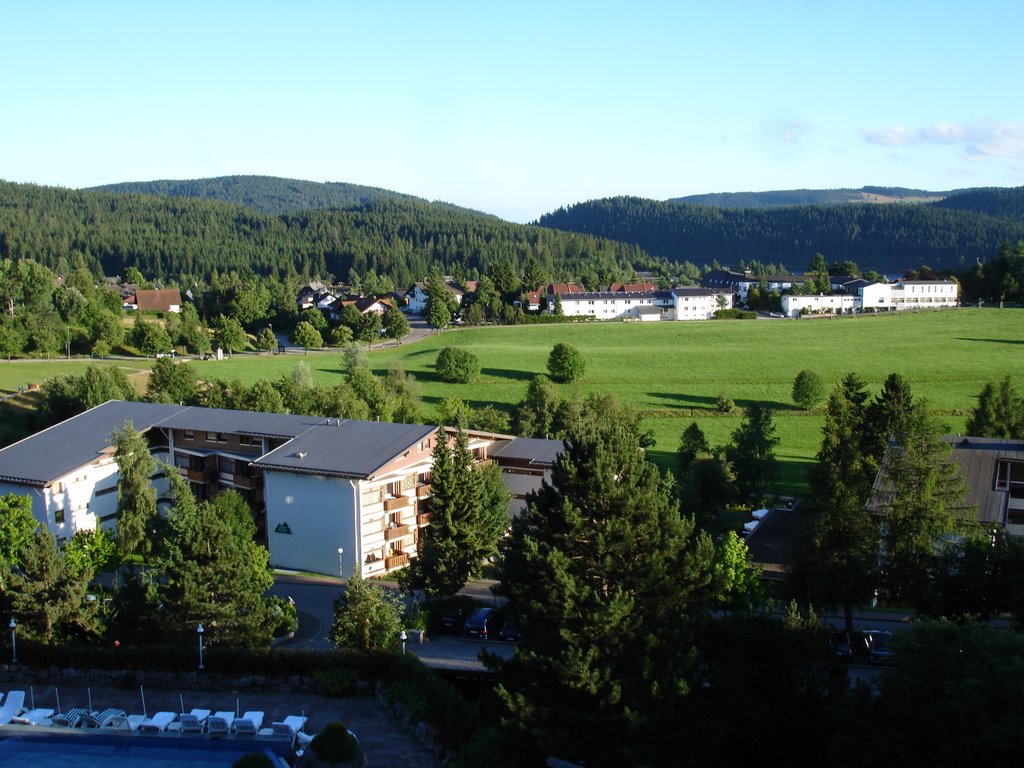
(158, 722)
(219, 724)
(38, 716)
(126, 722)
(248, 724)
(290, 726)
(193, 722)
(14, 705)
(101, 719)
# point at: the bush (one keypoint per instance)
(808, 389)
(734, 314)
(457, 365)
(565, 363)
(339, 681)
(335, 743)
(725, 404)
(253, 760)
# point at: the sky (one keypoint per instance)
(518, 108)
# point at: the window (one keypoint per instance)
(58, 516)
(190, 434)
(215, 437)
(248, 440)
(1009, 476)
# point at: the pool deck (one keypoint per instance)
(386, 743)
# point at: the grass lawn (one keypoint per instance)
(21, 373)
(674, 372)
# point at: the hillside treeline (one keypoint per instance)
(886, 238)
(398, 242)
(263, 194)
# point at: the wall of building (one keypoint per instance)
(308, 518)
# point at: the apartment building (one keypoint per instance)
(331, 496)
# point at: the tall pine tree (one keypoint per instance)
(609, 581)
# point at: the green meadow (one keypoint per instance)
(673, 373)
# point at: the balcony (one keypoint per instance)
(422, 491)
(423, 519)
(396, 561)
(396, 532)
(244, 481)
(199, 475)
(390, 505)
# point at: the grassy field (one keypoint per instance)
(673, 372)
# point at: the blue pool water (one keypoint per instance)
(88, 751)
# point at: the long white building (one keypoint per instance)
(328, 495)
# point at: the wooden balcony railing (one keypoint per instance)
(423, 519)
(200, 475)
(422, 491)
(392, 504)
(396, 532)
(245, 481)
(396, 561)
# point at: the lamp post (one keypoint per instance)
(341, 563)
(403, 637)
(199, 631)
(14, 643)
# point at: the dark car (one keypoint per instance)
(878, 646)
(839, 642)
(451, 620)
(510, 631)
(482, 623)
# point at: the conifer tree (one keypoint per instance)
(136, 497)
(469, 513)
(839, 539)
(922, 502)
(609, 580)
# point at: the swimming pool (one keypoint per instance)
(85, 750)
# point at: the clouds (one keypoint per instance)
(791, 130)
(977, 141)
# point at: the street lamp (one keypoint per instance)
(199, 631)
(341, 563)
(14, 643)
(403, 637)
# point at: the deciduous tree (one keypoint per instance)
(566, 363)
(367, 617)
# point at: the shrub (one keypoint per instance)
(339, 681)
(253, 760)
(457, 365)
(808, 389)
(725, 404)
(565, 363)
(335, 743)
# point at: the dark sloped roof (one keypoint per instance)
(279, 425)
(345, 448)
(533, 449)
(63, 448)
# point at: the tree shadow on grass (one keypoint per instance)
(697, 402)
(508, 373)
(992, 341)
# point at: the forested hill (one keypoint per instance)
(1000, 202)
(886, 238)
(780, 198)
(397, 240)
(264, 194)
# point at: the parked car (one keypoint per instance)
(451, 620)
(775, 314)
(510, 631)
(839, 642)
(482, 623)
(878, 646)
